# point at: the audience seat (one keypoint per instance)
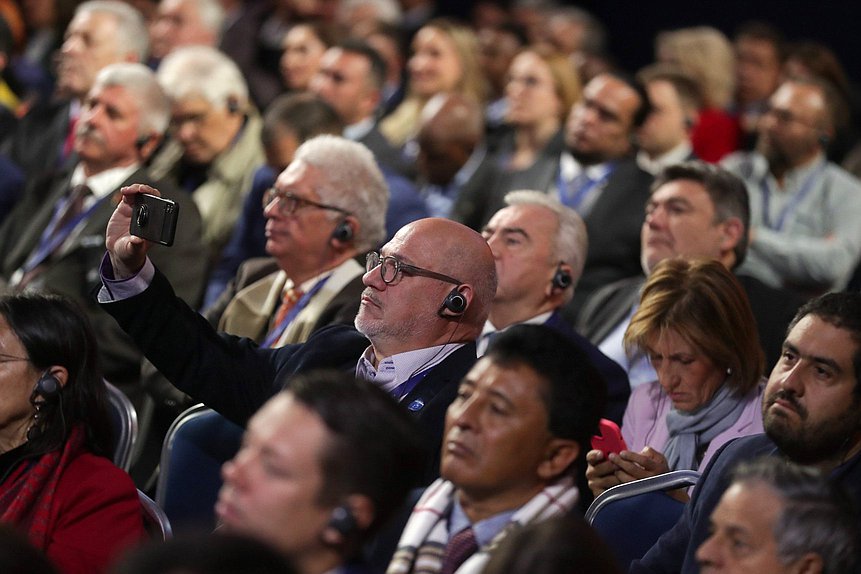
(156, 521)
(125, 422)
(196, 445)
(631, 517)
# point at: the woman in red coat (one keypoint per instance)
(56, 483)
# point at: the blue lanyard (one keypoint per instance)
(793, 202)
(49, 244)
(580, 195)
(279, 329)
(407, 386)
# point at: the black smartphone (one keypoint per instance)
(154, 218)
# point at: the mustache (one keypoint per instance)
(369, 293)
(88, 131)
(789, 397)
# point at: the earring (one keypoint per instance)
(728, 371)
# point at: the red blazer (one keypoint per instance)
(95, 516)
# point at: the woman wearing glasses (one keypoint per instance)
(57, 484)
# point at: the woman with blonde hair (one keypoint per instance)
(707, 56)
(695, 324)
(541, 89)
(444, 60)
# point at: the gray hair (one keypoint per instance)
(354, 183)
(817, 516)
(143, 87)
(132, 34)
(202, 71)
(572, 241)
(211, 15)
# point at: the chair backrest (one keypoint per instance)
(632, 516)
(196, 445)
(156, 521)
(125, 422)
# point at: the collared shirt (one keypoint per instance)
(489, 330)
(398, 369)
(358, 130)
(639, 368)
(570, 169)
(678, 154)
(103, 183)
(440, 198)
(484, 530)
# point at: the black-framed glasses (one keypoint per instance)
(11, 358)
(391, 266)
(288, 203)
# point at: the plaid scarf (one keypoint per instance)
(423, 542)
(27, 494)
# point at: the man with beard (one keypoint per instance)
(599, 178)
(426, 298)
(811, 414)
(804, 232)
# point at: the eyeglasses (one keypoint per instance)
(11, 358)
(289, 203)
(391, 266)
(785, 117)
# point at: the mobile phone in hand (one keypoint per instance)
(610, 438)
(154, 218)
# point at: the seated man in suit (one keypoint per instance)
(325, 209)
(215, 145)
(53, 239)
(695, 210)
(514, 442)
(780, 518)
(811, 412)
(539, 246)
(425, 301)
(349, 454)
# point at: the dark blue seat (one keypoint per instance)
(196, 445)
(631, 517)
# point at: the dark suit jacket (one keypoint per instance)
(477, 199)
(74, 271)
(235, 377)
(388, 157)
(613, 225)
(772, 308)
(38, 140)
(674, 551)
(618, 386)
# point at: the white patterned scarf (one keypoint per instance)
(422, 544)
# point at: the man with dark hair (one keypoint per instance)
(695, 210)
(811, 413)
(780, 518)
(804, 230)
(515, 438)
(350, 79)
(599, 178)
(759, 54)
(322, 466)
(665, 136)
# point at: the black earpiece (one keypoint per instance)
(47, 387)
(141, 142)
(343, 232)
(561, 279)
(343, 520)
(454, 302)
(232, 106)
(824, 140)
(689, 123)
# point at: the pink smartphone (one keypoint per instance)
(610, 439)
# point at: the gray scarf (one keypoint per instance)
(690, 430)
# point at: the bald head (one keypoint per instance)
(452, 125)
(427, 262)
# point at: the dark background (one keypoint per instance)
(632, 25)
